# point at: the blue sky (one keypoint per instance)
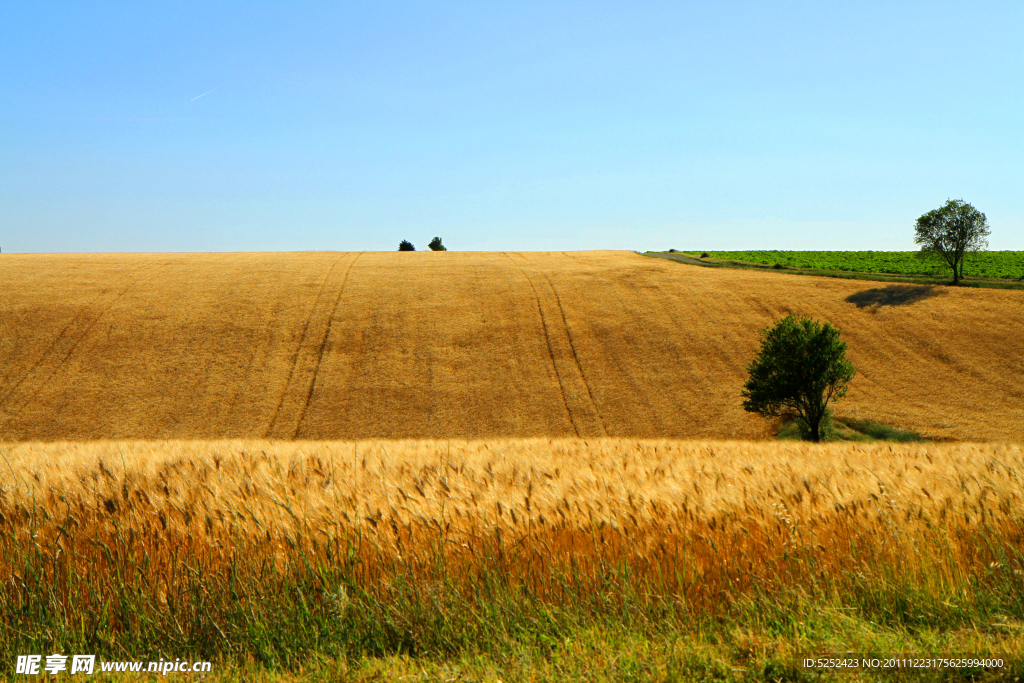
(250, 126)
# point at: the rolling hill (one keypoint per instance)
(330, 345)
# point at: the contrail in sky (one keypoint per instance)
(205, 93)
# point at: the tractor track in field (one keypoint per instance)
(583, 413)
(281, 426)
(551, 350)
(64, 345)
(576, 355)
(323, 347)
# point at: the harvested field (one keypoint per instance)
(469, 345)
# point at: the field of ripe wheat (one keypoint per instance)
(271, 457)
(383, 545)
(469, 345)
(726, 502)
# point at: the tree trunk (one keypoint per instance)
(956, 273)
(815, 423)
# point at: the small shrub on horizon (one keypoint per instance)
(406, 245)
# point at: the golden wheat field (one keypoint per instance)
(468, 345)
(719, 515)
(262, 455)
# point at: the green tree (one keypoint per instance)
(406, 245)
(800, 368)
(435, 245)
(952, 230)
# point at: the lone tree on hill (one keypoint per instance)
(950, 231)
(435, 245)
(406, 245)
(800, 368)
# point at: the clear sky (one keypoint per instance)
(254, 126)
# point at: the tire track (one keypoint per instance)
(551, 351)
(280, 425)
(57, 353)
(576, 395)
(576, 356)
(323, 347)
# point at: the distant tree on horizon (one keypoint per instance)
(435, 245)
(406, 245)
(952, 230)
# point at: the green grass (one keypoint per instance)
(321, 616)
(988, 264)
(998, 270)
(849, 429)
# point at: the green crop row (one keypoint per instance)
(988, 264)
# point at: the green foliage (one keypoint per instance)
(435, 245)
(797, 429)
(847, 429)
(951, 231)
(800, 368)
(406, 245)
(882, 432)
(987, 264)
(317, 612)
(826, 428)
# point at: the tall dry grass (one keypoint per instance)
(113, 541)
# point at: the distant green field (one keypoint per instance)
(988, 264)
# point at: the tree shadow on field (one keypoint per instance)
(893, 295)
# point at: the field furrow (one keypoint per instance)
(44, 359)
(322, 349)
(576, 394)
(286, 419)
